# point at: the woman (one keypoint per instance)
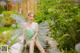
(31, 32)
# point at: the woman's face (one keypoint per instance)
(31, 17)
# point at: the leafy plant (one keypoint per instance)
(63, 17)
(6, 18)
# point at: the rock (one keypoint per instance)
(77, 47)
(16, 48)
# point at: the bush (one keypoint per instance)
(7, 19)
(63, 17)
(2, 9)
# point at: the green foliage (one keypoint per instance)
(2, 9)
(64, 19)
(70, 51)
(5, 34)
(6, 19)
(7, 28)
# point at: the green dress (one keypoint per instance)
(29, 33)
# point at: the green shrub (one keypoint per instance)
(2, 9)
(6, 19)
(64, 20)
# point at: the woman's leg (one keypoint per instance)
(31, 49)
(40, 47)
